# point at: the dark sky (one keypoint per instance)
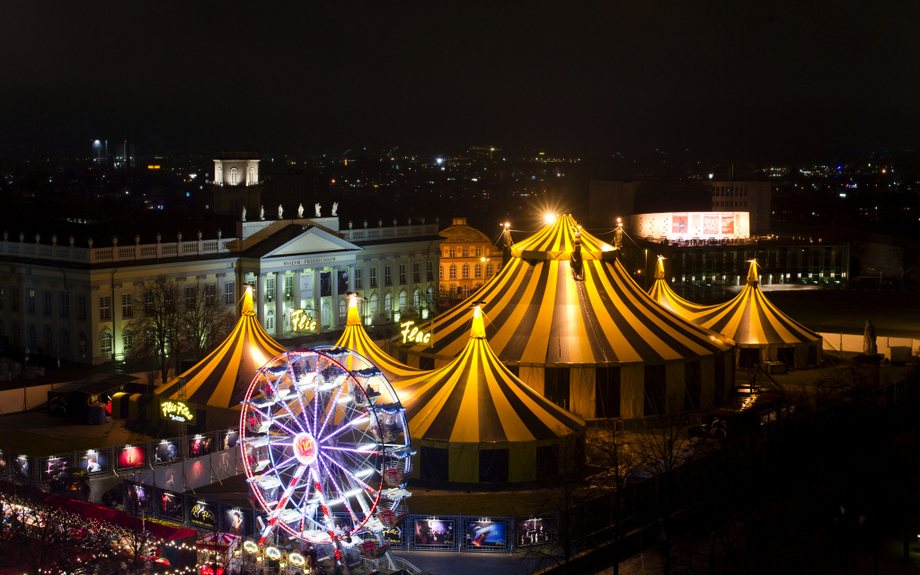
(764, 81)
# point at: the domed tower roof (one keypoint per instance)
(461, 233)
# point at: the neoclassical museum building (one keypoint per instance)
(78, 300)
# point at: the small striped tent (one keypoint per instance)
(222, 378)
(356, 339)
(564, 314)
(473, 421)
(761, 331)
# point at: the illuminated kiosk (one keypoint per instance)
(761, 330)
(575, 327)
(473, 421)
(222, 378)
(355, 338)
(326, 449)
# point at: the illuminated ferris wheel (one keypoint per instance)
(325, 445)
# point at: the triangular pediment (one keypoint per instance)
(313, 240)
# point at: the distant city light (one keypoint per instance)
(440, 161)
(710, 176)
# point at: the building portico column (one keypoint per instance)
(260, 300)
(335, 297)
(279, 304)
(297, 295)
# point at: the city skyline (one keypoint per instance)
(775, 83)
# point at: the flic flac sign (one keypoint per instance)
(176, 411)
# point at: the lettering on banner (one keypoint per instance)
(413, 334)
(177, 411)
(302, 321)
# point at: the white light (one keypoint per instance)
(353, 492)
(365, 472)
(367, 447)
(344, 399)
(334, 502)
(360, 421)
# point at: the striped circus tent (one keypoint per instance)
(665, 296)
(473, 421)
(761, 331)
(356, 339)
(566, 317)
(222, 378)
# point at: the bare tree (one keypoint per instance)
(205, 320)
(158, 322)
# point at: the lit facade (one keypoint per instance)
(468, 259)
(81, 303)
(679, 226)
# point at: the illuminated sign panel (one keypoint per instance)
(413, 334)
(302, 321)
(681, 226)
(176, 411)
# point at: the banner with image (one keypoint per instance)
(171, 506)
(434, 533)
(485, 534)
(203, 513)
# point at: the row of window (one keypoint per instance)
(464, 253)
(358, 279)
(465, 271)
(106, 340)
(730, 204)
(105, 301)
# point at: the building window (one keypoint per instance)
(127, 338)
(373, 305)
(65, 305)
(30, 304)
(105, 307)
(359, 284)
(65, 342)
(81, 306)
(373, 277)
(270, 288)
(127, 305)
(210, 294)
(46, 303)
(343, 308)
(466, 271)
(220, 175)
(417, 272)
(402, 299)
(402, 274)
(105, 342)
(387, 275)
(148, 302)
(252, 176)
(453, 272)
(441, 273)
(230, 293)
(417, 299)
(270, 320)
(15, 303)
(388, 303)
(190, 298)
(488, 270)
(477, 271)
(478, 252)
(288, 287)
(32, 337)
(466, 252)
(48, 341)
(430, 271)
(453, 252)
(234, 176)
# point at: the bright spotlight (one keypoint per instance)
(550, 218)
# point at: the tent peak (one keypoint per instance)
(479, 326)
(752, 278)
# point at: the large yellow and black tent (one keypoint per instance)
(222, 378)
(356, 339)
(761, 331)
(564, 314)
(473, 421)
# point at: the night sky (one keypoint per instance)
(745, 81)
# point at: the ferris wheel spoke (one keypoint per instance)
(282, 501)
(342, 494)
(333, 406)
(351, 475)
(349, 426)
